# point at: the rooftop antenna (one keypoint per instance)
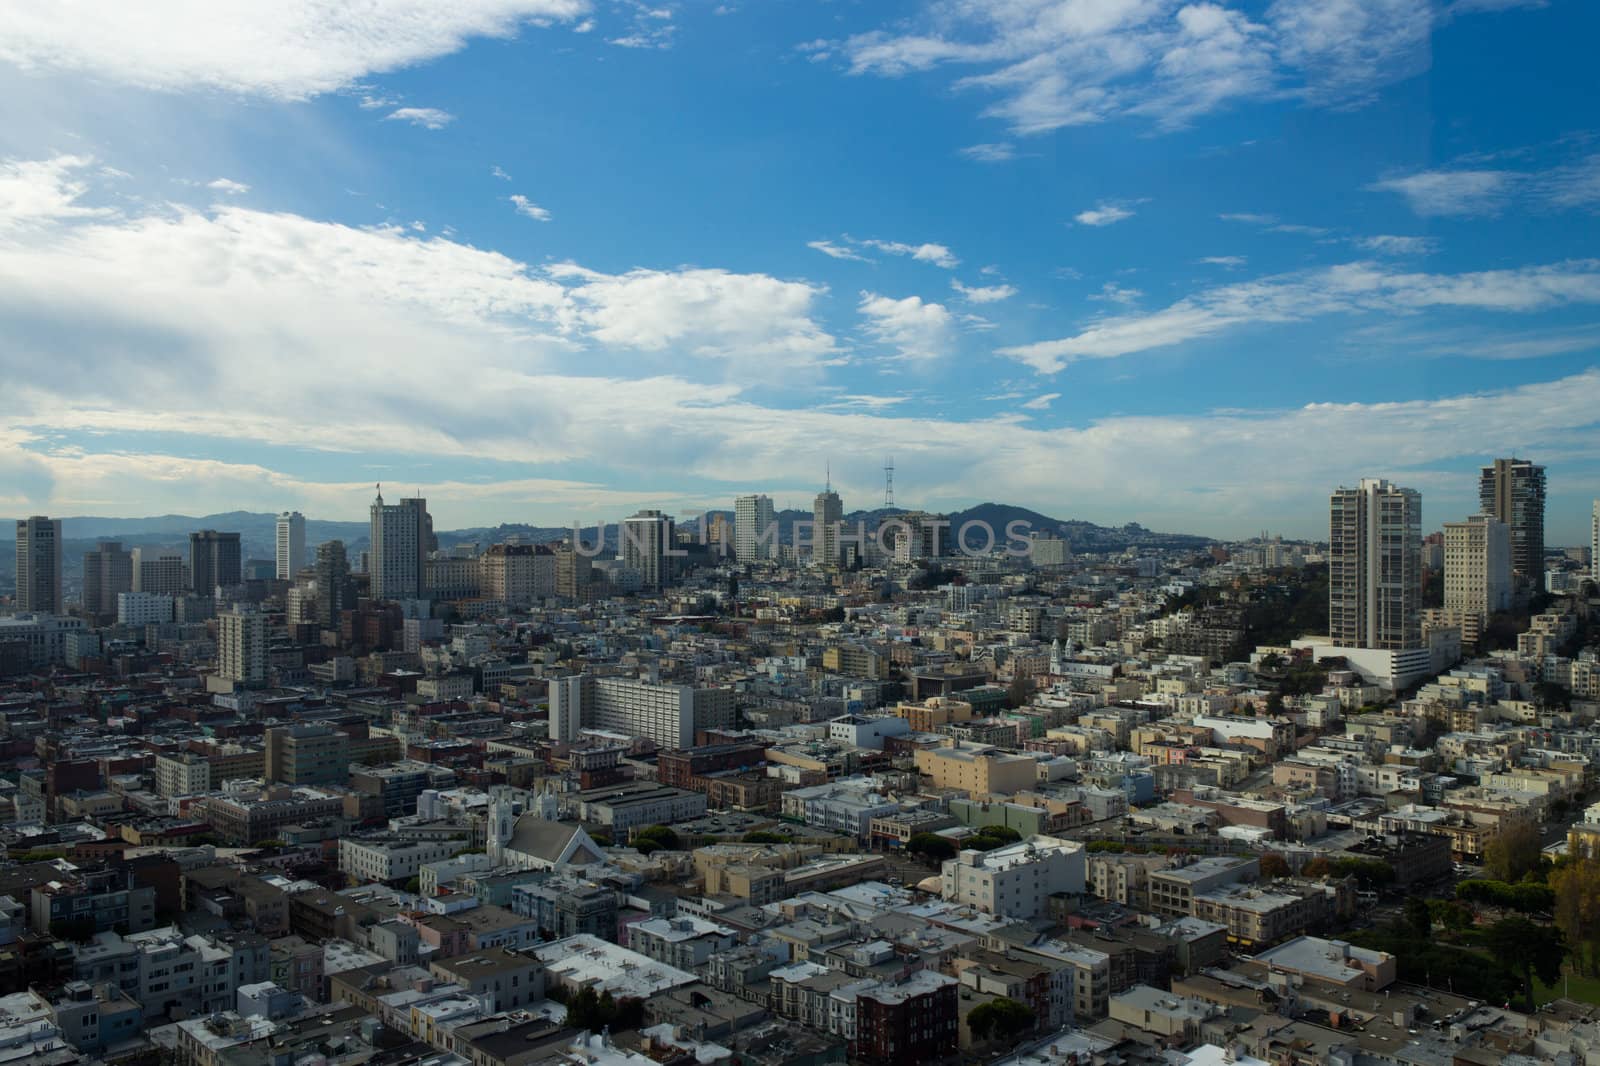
(888, 482)
(827, 475)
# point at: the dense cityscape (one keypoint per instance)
(799, 533)
(792, 789)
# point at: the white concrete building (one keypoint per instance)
(392, 859)
(684, 941)
(755, 529)
(399, 554)
(242, 646)
(143, 608)
(1017, 880)
(291, 544)
(1374, 566)
(183, 774)
(669, 715)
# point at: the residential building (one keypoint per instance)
(1015, 881)
(1513, 491)
(506, 980)
(182, 774)
(242, 646)
(311, 753)
(1374, 566)
(648, 547)
(400, 537)
(668, 715)
(755, 529)
(1477, 573)
(684, 941)
(291, 544)
(143, 608)
(391, 858)
(39, 548)
(333, 583)
(978, 771)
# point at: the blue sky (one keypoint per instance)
(1187, 264)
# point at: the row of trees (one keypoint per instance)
(1494, 963)
(935, 848)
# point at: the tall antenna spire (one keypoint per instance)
(888, 482)
(827, 468)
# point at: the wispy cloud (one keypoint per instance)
(983, 294)
(1347, 288)
(994, 152)
(496, 172)
(937, 254)
(226, 185)
(1229, 262)
(835, 251)
(1042, 402)
(1390, 244)
(528, 209)
(1103, 215)
(1471, 191)
(427, 117)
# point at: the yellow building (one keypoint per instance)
(933, 713)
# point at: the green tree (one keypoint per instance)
(1575, 895)
(931, 846)
(1000, 1018)
(1419, 916)
(657, 836)
(1514, 851)
(1527, 949)
(1273, 866)
(1020, 692)
(762, 836)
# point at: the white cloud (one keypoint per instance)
(1042, 402)
(708, 313)
(916, 329)
(35, 191)
(1389, 244)
(1247, 217)
(1487, 192)
(983, 294)
(834, 251)
(528, 209)
(1119, 294)
(427, 117)
(1351, 287)
(288, 50)
(995, 152)
(1053, 63)
(1450, 192)
(1227, 261)
(1103, 215)
(232, 188)
(937, 254)
(497, 172)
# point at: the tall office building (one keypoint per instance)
(753, 518)
(333, 583)
(291, 544)
(401, 534)
(159, 572)
(242, 646)
(827, 512)
(39, 547)
(646, 537)
(214, 561)
(1512, 490)
(107, 572)
(1374, 558)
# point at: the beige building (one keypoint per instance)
(242, 647)
(978, 771)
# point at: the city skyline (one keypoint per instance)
(1259, 255)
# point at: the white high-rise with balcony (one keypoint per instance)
(1374, 566)
(291, 544)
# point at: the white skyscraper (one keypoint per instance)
(1477, 565)
(1594, 542)
(39, 547)
(753, 518)
(399, 553)
(1374, 566)
(291, 544)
